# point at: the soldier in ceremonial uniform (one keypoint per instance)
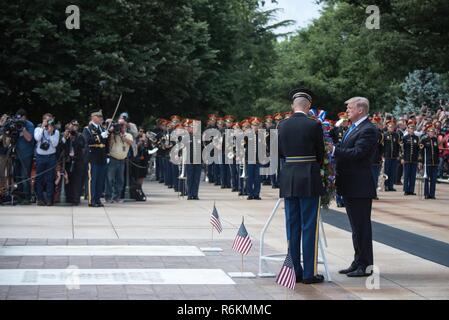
(429, 159)
(193, 167)
(337, 133)
(253, 165)
(268, 125)
(378, 152)
(409, 159)
(211, 124)
(218, 166)
(301, 143)
(391, 154)
(96, 138)
(232, 157)
(242, 160)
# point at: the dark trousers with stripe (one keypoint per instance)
(254, 180)
(302, 216)
(159, 169)
(410, 177)
(225, 175)
(96, 182)
(391, 168)
(359, 214)
(216, 170)
(430, 182)
(234, 176)
(193, 172)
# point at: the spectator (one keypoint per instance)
(47, 139)
(24, 157)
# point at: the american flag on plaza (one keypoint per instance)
(242, 241)
(287, 276)
(215, 220)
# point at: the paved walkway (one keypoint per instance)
(167, 220)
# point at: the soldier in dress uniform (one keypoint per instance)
(210, 167)
(429, 159)
(253, 164)
(378, 152)
(96, 138)
(409, 158)
(267, 125)
(301, 143)
(218, 147)
(242, 159)
(159, 169)
(193, 167)
(277, 119)
(391, 154)
(232, 157)
(337, 133)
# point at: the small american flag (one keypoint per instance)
(287, 276)
(215, 220)
(242, 242)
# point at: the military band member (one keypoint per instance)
(218, 166)
(301, 143)
(211, 124)
(253, 164)
(277, 119)
(232, 157)
(429, 160)
(96, 138)
(159, 133)
(391, 155)
(177, 125)
(409, 159)
(268, 125)
(193, 169)
(378, 152)
(242, 157)
(337, 133)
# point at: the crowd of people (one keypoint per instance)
(52, 163)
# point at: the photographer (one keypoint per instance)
(5, 142)
(47, 139)
(74, 145)
(24, 147)
(119, 144)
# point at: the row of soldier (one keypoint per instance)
(402, 151)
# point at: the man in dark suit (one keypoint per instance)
(301, 144)
(355, 182)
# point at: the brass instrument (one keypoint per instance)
(383, 177)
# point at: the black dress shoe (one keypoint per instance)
(412, 194)
(94, 205)
(240, 193)
(235, 189)
(196, 198)
(257, 198)
(298, 279)
(41, 203)
(348, 270)
(393, 189)
(359, 272)
(250, 198)
(315, 279)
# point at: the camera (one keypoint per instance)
(116, 128)
(45, 145)
(13, 127)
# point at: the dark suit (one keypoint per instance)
(355, 182)
(301, 144)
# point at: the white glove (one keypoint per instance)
(105, 135)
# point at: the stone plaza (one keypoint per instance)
(158, 249)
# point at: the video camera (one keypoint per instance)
(116, 127)
(12, 128)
